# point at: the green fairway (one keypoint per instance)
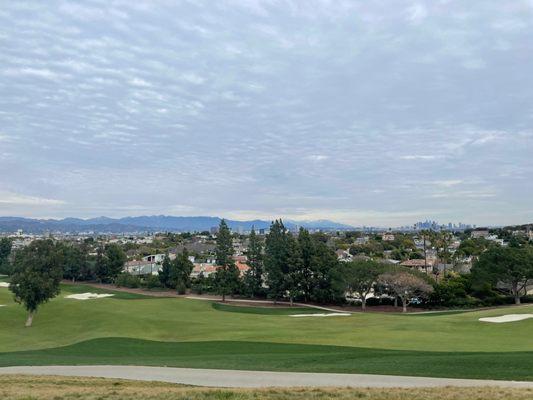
(196, 333)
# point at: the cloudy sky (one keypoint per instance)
(364, 112)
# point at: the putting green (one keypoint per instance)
(453, 343)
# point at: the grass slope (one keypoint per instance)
(63, 388)
(281, 357)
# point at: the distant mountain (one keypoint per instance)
(147, 224)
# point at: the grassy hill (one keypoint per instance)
(136, 329)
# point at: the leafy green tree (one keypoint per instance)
(276, 259)
(227, 275)
(510, 266)
(37, 272)
(359, 277)
(254, 276)
(180, 275)
(109, 262)
(100, 264)
(115, 259)
(74, 262)
(5, 251)
(164, 274)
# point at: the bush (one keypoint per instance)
(181, 288)
(379, 301)
(151, 282)
(128, 280)
(6, 268)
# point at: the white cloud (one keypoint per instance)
(44, 73)
(20, 199)
(448, 183)
(420, 157)
(193, 78)
(140, 82)
(417, 12)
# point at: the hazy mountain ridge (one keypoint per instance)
(147, 223)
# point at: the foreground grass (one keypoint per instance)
(18, 387)
(281, 357)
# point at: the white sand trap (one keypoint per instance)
(507, 318)
(88, 296)
(4, 284)
(321, 315)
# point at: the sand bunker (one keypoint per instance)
(507, 318)
(4, 284)
(321, 315)
(88, 296)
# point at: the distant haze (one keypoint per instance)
(362, 112)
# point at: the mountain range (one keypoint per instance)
(148, 224)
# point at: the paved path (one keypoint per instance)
(253, 379)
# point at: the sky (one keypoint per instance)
(364, 112)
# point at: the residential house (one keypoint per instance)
(479, 233)
(387, 237)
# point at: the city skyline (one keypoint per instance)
(376, 114)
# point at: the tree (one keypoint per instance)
(325, 269)
(37, 272)
(294, 269)
(359, 277)
(164, 274)
(74, 262)
(276, 257)
(308, 253)
(511, 266)
(115, 259)
(405, 285)
(100, 267)
(5, 251)
(254, 276)
(181, 273)
(227, 275)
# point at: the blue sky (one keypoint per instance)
(364, 112)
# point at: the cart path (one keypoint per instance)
(253, 379)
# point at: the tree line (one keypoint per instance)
(283, 266)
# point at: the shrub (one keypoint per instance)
(128, 280)
(151, 282)
(181, 288)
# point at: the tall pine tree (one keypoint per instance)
(308, 253)
(276, 258)
(254, 276)
(293, 278)
(227, 275)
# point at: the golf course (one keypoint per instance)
(134, 329)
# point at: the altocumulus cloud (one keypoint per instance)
(369, 112)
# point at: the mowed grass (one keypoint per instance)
(196, 333)
(65, 388)
(265, 310)
(281, 357)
